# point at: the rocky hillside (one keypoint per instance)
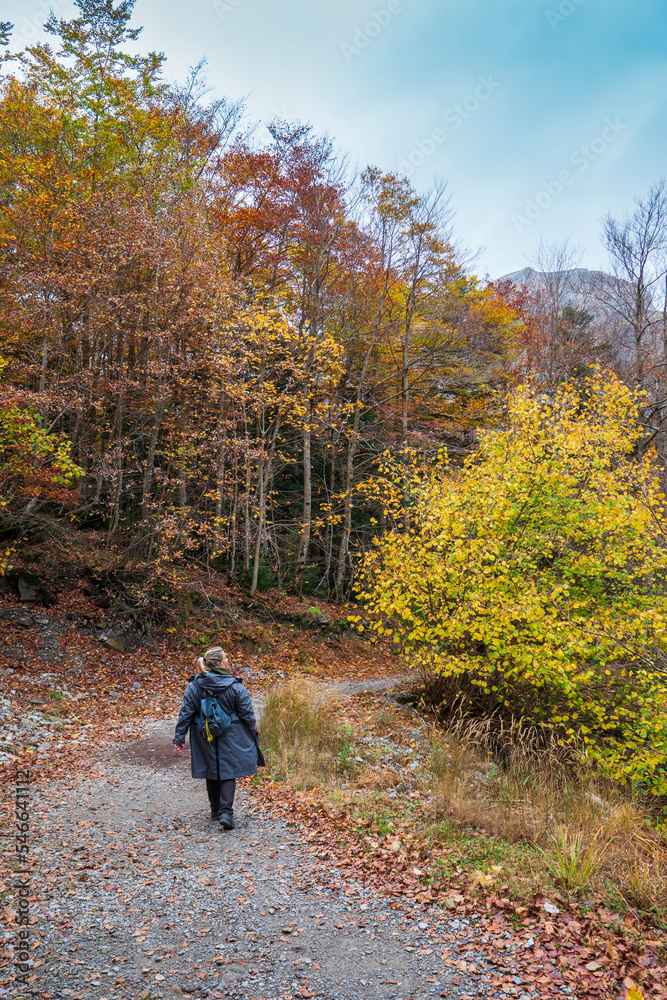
(599, 294)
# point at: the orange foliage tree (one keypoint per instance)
(229, 333)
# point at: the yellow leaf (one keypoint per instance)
(482, 879)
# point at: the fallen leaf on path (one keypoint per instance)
(482, 879)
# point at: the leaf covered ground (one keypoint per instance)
(67, 698)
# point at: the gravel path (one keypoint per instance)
(139, 895)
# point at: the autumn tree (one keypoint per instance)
(229, 333)
(637, 248)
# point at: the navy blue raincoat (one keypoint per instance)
(232, 755)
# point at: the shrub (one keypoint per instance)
(535, 577)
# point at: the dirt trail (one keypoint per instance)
(139, 895)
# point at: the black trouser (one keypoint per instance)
(221, 794)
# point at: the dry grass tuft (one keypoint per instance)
(573, 862)
(643, 882)
(521, 784)
(302, 742)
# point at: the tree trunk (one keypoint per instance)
(260, 528)
(118, 463)
(234, 521)
(639, 361)
(220, 500)
(220, 475)
(246, 526)
(264, 479)
(330, 528)
(404, 391)
(347, 516)
(639, 326)
(45, 360)
(349, 473)
(304, 546)
(150, 460)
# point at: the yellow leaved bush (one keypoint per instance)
(537, 572)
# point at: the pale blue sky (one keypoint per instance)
(499, 97)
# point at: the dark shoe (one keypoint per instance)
(226, 820)
(215, 815)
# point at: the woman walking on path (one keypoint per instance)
(233, 754)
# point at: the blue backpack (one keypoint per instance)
(213, 720)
